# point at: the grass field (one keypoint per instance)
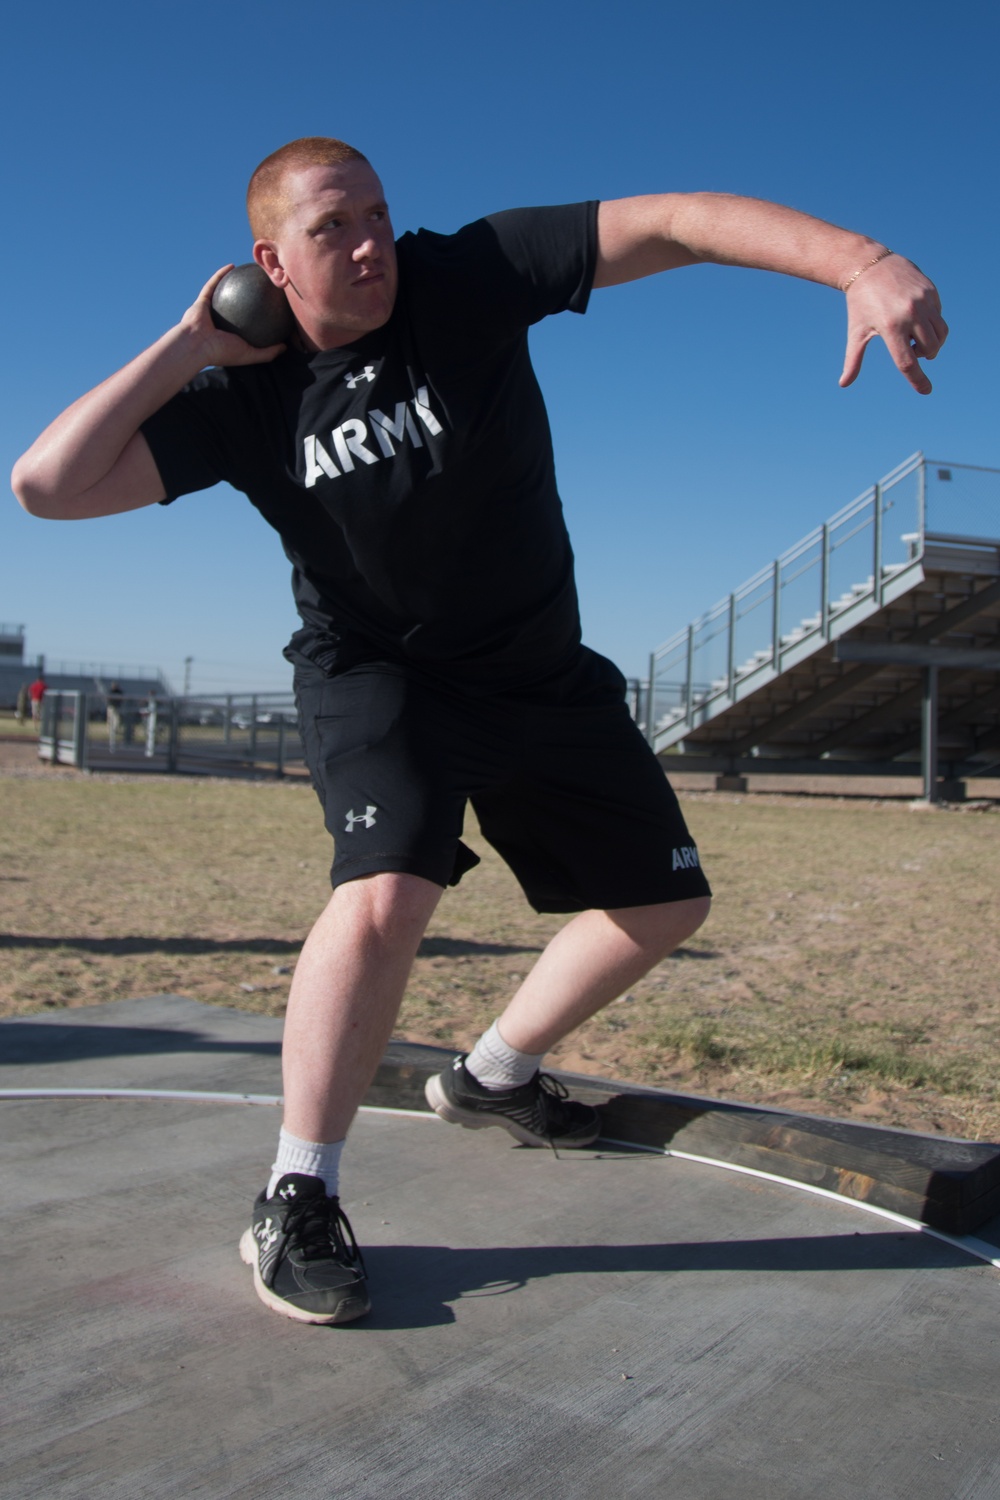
(849, 967)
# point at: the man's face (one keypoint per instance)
(335, 254)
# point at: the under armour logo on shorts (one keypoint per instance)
(367, 818)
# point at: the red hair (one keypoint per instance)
(267, 200)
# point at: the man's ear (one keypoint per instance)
(266, 254)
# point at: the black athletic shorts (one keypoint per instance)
(564, 786)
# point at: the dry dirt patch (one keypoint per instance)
(849, 966)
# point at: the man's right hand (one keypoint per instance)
(218, 347)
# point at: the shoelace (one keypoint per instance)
(320, 1228)
(554, 1092)
(554, 1087)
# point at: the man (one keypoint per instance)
(36, 692)
(114, 701)
(400, 447)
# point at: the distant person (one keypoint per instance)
(150, 711)
(36, 692)
(23, 707)
(114, 699)
(400, 446)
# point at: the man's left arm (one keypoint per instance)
(887, 296)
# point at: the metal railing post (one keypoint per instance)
(80, 733)
(877, 564)
(227, 720)
(174, 737)
(688, 678)
(824, 585)
(731, 666)
(49, 705)
(253, 727)
(776, 616)
(650, 697)
(929, 734)
(921, 503)
(280, 768)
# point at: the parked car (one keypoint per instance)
(276, 716)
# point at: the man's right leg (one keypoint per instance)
(345, 996)
(381, 750)
(344, 1000)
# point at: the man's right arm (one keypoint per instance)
(93, 459)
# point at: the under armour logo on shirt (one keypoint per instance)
(368, 373)
(367, 818)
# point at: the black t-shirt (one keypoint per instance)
(410, 474)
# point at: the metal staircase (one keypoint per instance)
(826, 659)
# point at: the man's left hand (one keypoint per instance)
(894, 301)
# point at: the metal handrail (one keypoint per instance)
(902, 471)
(769, 585)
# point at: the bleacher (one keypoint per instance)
(872, 645)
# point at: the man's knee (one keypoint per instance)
(693, 914)
(388, 902)
(664, 927)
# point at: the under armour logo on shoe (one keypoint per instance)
(288, 1192)
(367, 818)
(266, 1234)
(368, 373)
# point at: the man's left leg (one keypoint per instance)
(589, 963)
(588, 823)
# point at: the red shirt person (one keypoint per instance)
(36, 693)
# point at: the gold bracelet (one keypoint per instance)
(883, 255)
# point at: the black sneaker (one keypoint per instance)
(539, 1113)
(306, 1262)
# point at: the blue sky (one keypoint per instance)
(698, 423)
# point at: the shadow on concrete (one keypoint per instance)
(35, 1042)
(415, 1284)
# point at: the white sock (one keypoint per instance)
(497, 1066)
(311, 1157)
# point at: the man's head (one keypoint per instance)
(268, 198)
(322, 233)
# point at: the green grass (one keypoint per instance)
(789, 1058)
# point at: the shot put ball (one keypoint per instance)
(248, 303)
